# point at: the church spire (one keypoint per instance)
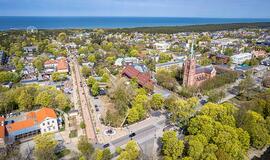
(192, 48)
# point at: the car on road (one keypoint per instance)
(97, 109)
(106, 145)
(203, 101)
(132, 135)
(96, 106)
(96, 97)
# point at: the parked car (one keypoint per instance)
(132, 135)
(97, 109)
(106, 145)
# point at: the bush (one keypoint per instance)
(73, 134)
(82, 125)
(56, 76)
(219, 81)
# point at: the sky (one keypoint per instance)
(138, 8)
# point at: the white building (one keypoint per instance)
(126, 60)
(49, 124)
(162, 46)
(241, 58)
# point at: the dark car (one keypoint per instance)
(96, 106)
(132, 135)
(203, 102)
(96, 97)
(106, 145)
(97, 109)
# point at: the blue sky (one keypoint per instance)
(141, 8)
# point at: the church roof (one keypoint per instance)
(205, 69)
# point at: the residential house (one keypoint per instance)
(241, 58)
(59, 65)
(30, 49)
(126, 61)
(162, 46)
(259, 54)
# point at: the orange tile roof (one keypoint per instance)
(20, 125)
(31, 115)
(62, 64)
(44, 113)
(2, 128)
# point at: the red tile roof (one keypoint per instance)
(2, 127)
(16, 126)
(144, 79)
(62, 64)
(44, 113)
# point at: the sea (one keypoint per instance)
(20, 22)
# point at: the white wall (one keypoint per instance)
(49, 125)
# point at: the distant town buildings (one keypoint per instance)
(259, 54)
(30, 49)
(241, 58)
(162, 46)
(126, 61)
(168, 65)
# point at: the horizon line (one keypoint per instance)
(85, 16)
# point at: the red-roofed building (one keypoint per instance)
(32, 123)
(143, 78)
(59, 65)
(2, 132)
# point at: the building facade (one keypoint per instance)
(195, 75)
(30, 124)
(241, 58)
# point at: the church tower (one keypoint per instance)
(190, 69)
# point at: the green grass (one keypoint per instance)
(73, 134)
(63, 153)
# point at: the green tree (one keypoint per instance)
(105, 77)
(92, 58)
(85, 147)
(255, 125)
(86, 71)
(25, 100)
(106, 154)
(133, 115)
(90, 81)
(131, 151)
(62, 101)
(45, 147)
(62, 37)
(172, 147)
(56, 76)
(45, 99)
(38, 64)
(95, 89)
(157, 101)
(133, 53)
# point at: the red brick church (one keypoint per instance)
(194, 75)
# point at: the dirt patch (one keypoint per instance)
(108, 105)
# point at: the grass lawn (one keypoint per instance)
(63, 153)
